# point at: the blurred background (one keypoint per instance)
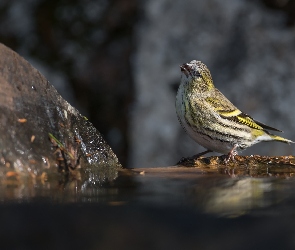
(117, 62)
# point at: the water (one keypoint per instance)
(212, 191)
(160, 208)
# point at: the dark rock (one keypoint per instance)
(41, 133)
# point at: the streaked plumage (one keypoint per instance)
(211, 119)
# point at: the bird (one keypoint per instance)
(211, 120)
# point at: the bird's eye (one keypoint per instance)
(197, 74)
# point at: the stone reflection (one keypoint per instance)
(78, 185)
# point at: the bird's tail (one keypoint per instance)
(281, 139)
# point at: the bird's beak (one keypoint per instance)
(185, 69)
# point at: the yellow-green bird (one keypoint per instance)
(211, 119)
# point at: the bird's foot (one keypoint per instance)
(231, 155)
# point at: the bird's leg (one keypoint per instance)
(231, 154)
(194, 156)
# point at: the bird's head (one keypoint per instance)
(197, 75)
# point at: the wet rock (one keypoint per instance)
(41, 133)
(253, 165)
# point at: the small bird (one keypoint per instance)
(211, 119)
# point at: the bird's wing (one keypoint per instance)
(229, 111)
(248, 120)
(264, 126)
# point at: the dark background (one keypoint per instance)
(85, 48)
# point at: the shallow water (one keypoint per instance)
(214, 191)
(156, 208)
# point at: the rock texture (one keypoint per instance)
(249, 51)
(41, 133)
